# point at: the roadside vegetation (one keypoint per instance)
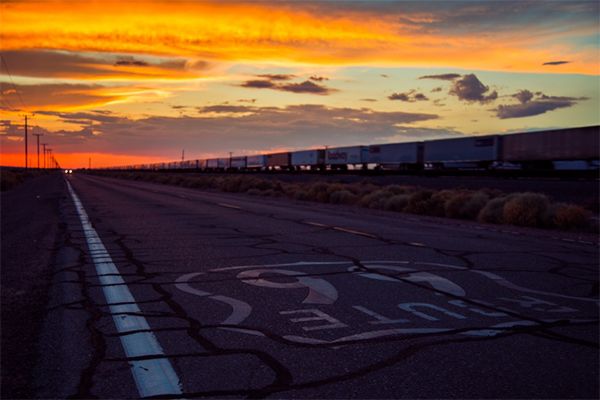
(486, 205)
(11, 177)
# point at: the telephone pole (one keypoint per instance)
(90, 163)
(38, 146)
(182, 154)
(44, 145)
(26, 155)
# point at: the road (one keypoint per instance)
(174, 292)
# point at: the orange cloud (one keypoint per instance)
(282, 33)
(69, 97)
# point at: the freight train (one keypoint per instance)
(562, 149)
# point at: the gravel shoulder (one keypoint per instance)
(31, 230)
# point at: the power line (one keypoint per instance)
(11, 80)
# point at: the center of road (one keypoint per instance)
(153, 376)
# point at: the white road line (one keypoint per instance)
(155, 376)
(229, 206)
(352, 231)
(315, 224)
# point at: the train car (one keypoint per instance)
(223, 163)
(342, 157)
(406, 156)
(279, 161)
(308, 159)
(576, 148)
(201, 165)
(476, 152)
(238, 163)
(212, 164)
(256, 162)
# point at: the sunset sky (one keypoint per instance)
(138, 81)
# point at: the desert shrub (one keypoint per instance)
(254, 192)
(375, 199)
(398, 189)
(570, 216)
(526, 209)
(342, 197)
(473, 206)
(436, 205)
(418, 202)
(493, 211)
(301, 195)
(397, 202)
(318, 192)
(465, 205)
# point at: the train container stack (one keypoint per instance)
(279, 161)
(238, 163)
(557, 149)
(571, 148)
(256, 162)
(308, 159)
(468, 152)
(406, 156)
(342, 157)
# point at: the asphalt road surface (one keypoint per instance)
(173, 292)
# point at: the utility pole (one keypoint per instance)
(90, 163)
(26, 155)
(230, 158)
(44, 145)
(182, 154)
(38, 146)
(49, 158)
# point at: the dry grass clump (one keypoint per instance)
(397, 202)
(526, 209)
(342, 196)
(570, 216)
(487, 206)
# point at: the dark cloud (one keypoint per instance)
(370, 100)
(318, 78)
(436, 89)
(53, 64)
(130, 61)
(523, 96)
(470, 89)
(384, 75)
(531, 104)
(247, 101)
(443, 77)
(302, 87)
(556, 62)
(411, 96)
(277, 77)
(225, 129)
(225, 108)
(258, 84)
(305, 87)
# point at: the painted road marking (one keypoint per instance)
(153, 376)
(352, 231)
(316, 224)
(229, 206)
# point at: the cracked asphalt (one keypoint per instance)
(271, 298)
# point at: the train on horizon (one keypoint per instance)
(560, 149)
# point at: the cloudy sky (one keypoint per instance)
(138, 81)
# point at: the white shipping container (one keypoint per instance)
(223, 162)
(347, 155)
(257, 161)
(212, 163)
(308, 157)
(238, 162)
(477, 148)
(394, 153)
